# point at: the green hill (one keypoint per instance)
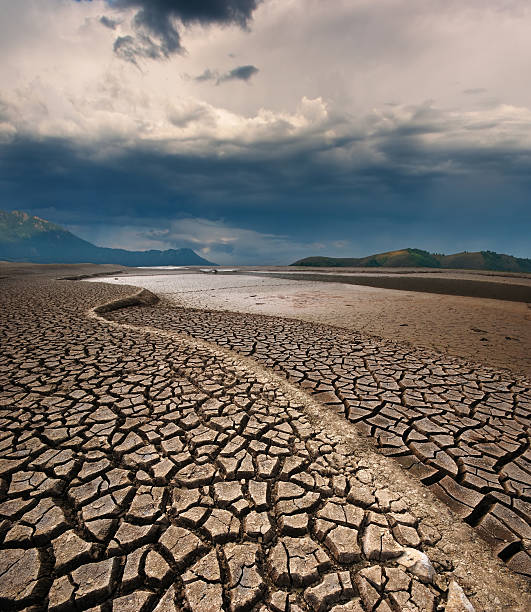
(31, 239)
(416, 258)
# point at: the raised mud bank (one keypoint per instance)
(142, 298)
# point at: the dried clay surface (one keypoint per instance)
(145, 470)
(493, 332)
(462, 429)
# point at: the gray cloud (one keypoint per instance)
(207, 75)
(109, 23)
(129, 48)
(240, 73)
(185, 117)
(159, 18)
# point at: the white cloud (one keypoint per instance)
(326, 69)
(227, 244)
(215, 240)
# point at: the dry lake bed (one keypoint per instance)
(258, 443)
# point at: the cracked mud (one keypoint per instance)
(463, 430)
(148, 471)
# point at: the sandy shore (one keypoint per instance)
(488, 331)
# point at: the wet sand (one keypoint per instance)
(488, 331)
(515, 288)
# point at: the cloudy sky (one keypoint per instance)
(264, 131)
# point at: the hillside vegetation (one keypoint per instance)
(416, 258)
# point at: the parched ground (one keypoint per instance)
(462, 429)
(144, 468)
(493, 332)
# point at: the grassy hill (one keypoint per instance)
(416, 258)
(31, 239)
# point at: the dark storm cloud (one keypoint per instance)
(412, 177)
(275, 188)
(189, 11)
(241, 73)
(159, 18)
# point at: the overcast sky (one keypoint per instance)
(264, 131)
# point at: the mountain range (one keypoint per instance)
(416, 258)
(31, 239)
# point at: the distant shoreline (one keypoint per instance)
(513, 287)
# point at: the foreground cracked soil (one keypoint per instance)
(462, 429)
(142, 471)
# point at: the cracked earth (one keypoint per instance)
(161, 459)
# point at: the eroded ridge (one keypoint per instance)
(139, 472)
(462, 429)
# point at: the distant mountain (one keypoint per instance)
(25, 238)
(416, 258)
